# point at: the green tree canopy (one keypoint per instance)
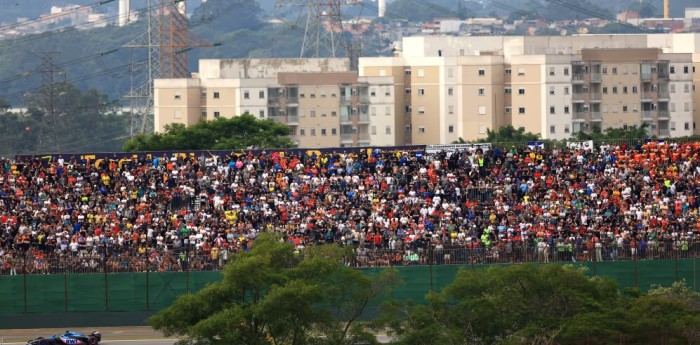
(508, 134)
(239, 132)
(276, 295)
(550, 304)
(596, 134)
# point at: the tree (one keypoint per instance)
(239, 132)
(509, 134)
(545, 304)
(631, 133)
(275, 294)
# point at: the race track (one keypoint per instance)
(123, 342)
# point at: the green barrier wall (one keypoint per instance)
(113, 293)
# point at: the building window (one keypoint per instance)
(302, 132)
(605, 70)
(313, 132)
(312, 113)
(605, 90)
(409, 109)
(246, 95)
(323, 94)
(687, 126)
(521, 71)
(686, 106)
(408, 129)
(324, 115)
(482, 110)
(203, 115)
(177, 114)
(387, 91)
(614, 90)
(450, 91)
(408, 90)
(482, 72)
(672, 107)
(387, 110)
(216, 95)
(552, 130)
(624, 89)
(451, 128)
(312, 95)
(387, 130)
(373, 111)
(634, 89)
(521, 110)
(685, 69)
(552, 110)
(302, 95)
(323, 132)
(178, 96)
(482, 129)
(261, 113)
(421, 73)
(261, 94)
(203, 95)
(334, 114)
(421, 110)
(614, 108)
(421, 129)
(614, 70)
(672, 88)
(566, 90)
(672, 70)
(421, 92)
(507, 110)
(508, 90)
(566, 71)
(507, 71)
(373, 93)
(624, 108)
(566, 129)
(482, 91)
(686, 88)
(217, 114)
(373, 130)
(551, 71)
(551, 90)
(450, 109)
(566, 109)
(407, 71)
(521, 91)
(334, 131)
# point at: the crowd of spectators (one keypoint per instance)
(504, 204)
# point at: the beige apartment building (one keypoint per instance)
(437, 89)
(554, 86)
(324, 103)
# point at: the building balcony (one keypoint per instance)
(363, 137)
(363, 118)
(664, 114)
(596, 116)
(596, 78)
(596, 97)
(346, 119)
(292, 120)
(345, 99)
(647, 96)
(579, 116)
(664, 132)
(645, 76)
(364, 99)
(347, 137)
(578, 97)
(292, 100)
(647, 114)
(578, 78)
(664, 94)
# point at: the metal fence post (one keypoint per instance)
(24, 274)
(636, 272)
(65, 289)
(676, 263)
(148, 285)
(106, 281)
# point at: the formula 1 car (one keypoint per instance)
(68, 338)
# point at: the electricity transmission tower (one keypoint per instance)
(49, 121)
(322, 22)
(167, 41)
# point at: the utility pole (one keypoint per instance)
(49, 71)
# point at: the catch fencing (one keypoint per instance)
(132, 284)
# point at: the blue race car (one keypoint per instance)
(68, 338)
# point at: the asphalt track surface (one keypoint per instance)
(110, 335)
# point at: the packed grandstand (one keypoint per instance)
(390, 206)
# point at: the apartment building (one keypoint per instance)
(554, 86)
(435, 90)
(324, 103)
